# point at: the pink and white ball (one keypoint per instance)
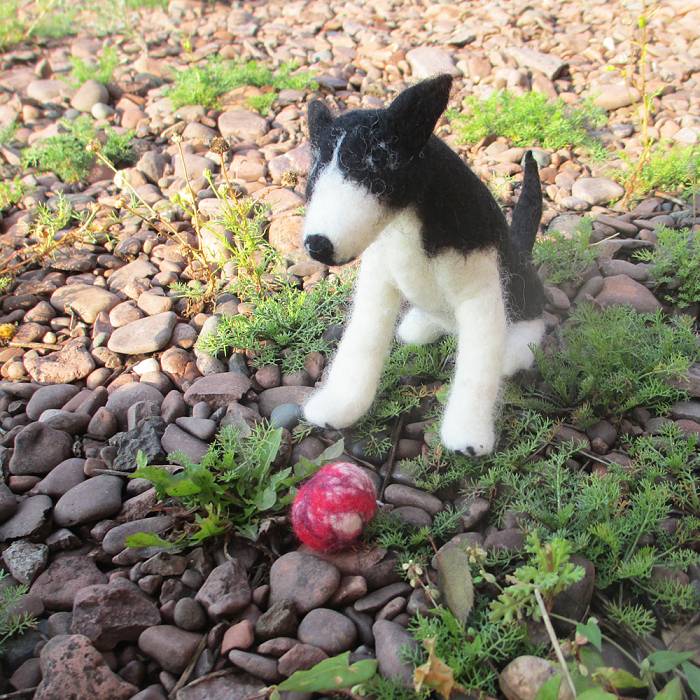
(331, 509)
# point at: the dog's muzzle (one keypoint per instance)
(320, 248)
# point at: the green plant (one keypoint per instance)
(613, 360)
(331, 674)
(566, 258)
(12, 624)
(11, 192)
(284, 327)
(236, 485)
(7, 133)
(67, 154)
(262, 103)
(549, 571)
(83, 71)
(203, 85)
(635, 617)
(11, 25)
(670, 169)
(475, 652)
(675, 264)
(528, 120)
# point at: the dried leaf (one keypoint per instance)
(435, 674)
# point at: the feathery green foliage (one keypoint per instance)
(12, 624)
(675, 264)
(67, 156)
(11, 192)
(565, 258)
(203, 85)
(611, 361)
(102, 71)
(285, 326)
(528, 120)
(674, 169)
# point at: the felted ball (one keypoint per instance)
(333, 506)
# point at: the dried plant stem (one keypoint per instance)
(555, 642)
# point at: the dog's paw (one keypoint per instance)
(416, 328)
(472, 438)
(328, 410)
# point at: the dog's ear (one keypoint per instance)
(414, 113)
(318, 117)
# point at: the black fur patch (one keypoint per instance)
(393, 154)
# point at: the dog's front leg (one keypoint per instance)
(468, 423)
(353, 377)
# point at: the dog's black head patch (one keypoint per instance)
(378, 148)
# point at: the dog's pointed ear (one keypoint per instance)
(415, 111)
(318, 117)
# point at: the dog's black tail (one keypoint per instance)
(528, 210)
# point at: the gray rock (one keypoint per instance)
(279, 620)
(597, 190)
(377, 599)
(218, 389)
(242, 124)
(399, 495)
(511, 540)
(30, 519)
(612, 97)
(125, 396)
(136, 270)
(255, 664)
(146, 335)
(88, 95)
(66, 575)
(62, 478)
(189, 615)
(71, 363)
(26, 560)
(226, 590)
(94, 499)
(428, 61)
(303, 579)
(271, 398)
(152, 164)
(686, 410)
(54, 396)
(115, 539)
(573, 602)
(87, 300)
(146, 438)
(299, 658)
(38, 449)
(201, 428)
(177, 440)
(622, 290)
(286, 415)
(222, 685)
(113, 613)
(170, 647)
(390, 638)
(523, 677)
(45, 91)
(8, 503)
(328, 630)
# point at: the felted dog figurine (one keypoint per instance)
(431, 233)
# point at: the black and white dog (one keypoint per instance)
(431, 233)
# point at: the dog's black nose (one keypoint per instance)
(320, 248)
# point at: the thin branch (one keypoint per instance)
(555, 642)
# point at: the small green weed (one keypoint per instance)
(613, 360)
(11, 192)
(11, 624)
(7, 134)
(566, 258)
(675, 264)
(262, 103)
(474, 652)
(203, 85)
(101, 72)
(549, 571)
(284, 327)
(528, 120)
(673, 169)
(12, 27)
(67, 154)
(235, 486)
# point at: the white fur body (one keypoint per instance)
(448, 293)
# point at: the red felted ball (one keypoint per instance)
(333, 506)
